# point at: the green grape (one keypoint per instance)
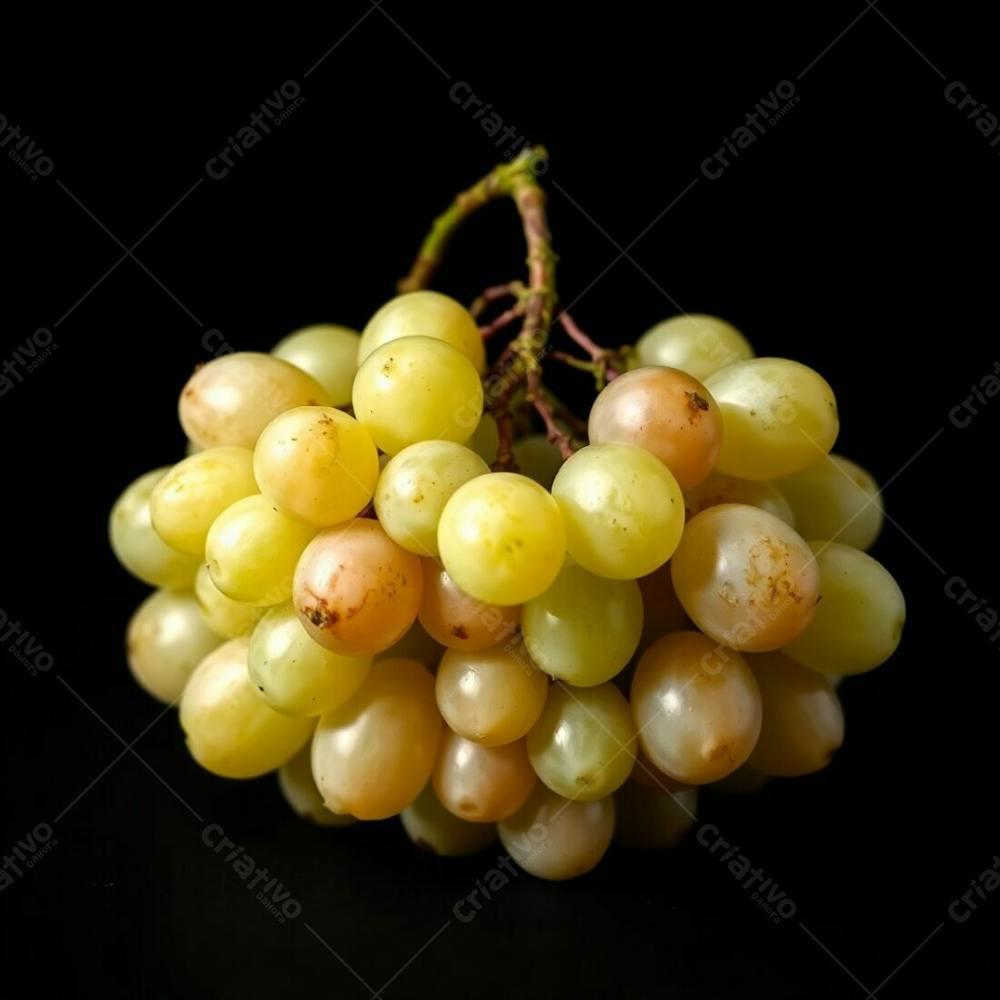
(293, 673)
(859, 622)
(416, 645)
(166, 639)
(417, 389)
(720, 488)
(623, 510)
(697, 344)
(415, 486)
(584, 628)
(583, 746)
(501, 538)
(430, 826)
(317, 464)
(485, 439)
(648, 819)
(538, 459)
(252, 550)
(138, 547)
(192, 494)
(299, 790)
(425, 314)
(225, 617)
(230, 730)
(778, 417)
(327, 352)
(836, 500)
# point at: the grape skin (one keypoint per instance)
(538, 459)
(225, 617)
(430, 826)
(694, 343)
(299, 790)
(720, 488)
(327, 352)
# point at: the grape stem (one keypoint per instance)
(495, 293)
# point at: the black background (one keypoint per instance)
(856, 235)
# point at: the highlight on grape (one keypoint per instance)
(398, 571)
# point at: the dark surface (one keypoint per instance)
(856, 235)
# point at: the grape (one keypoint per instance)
(417, 389)
(623, 510)
(417, 645)
(356, 590)
(430, 826)
(230, 730)
(458, 621)
(720, 488)
(583, 745)
(166, 639)
(859, 622)
(297, 786)
(584, 628)
(425, 314)
(694, 343)
(538, 459)
(668, 413)
(803, 720)
(836, 499)
(138, 547)
(778, 417)
(647, 774)
(192, 494)
(696, 706)
(317, 464)
(328, 353)
(233, 398)
(662, 611)
(293, 673)
(501, 538)
(555, 838)
(492, 697)
(225, 617)
(647, 819)
(415, 486)
(485, 439)
(745, 577)
(252, 550)
(482, 784)
(372, 756)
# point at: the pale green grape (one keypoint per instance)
(430, 826)
(327, 352)
(720, 488)
(623, 510)
(297, 786)
(225, 617)
(538, 458)
(485, 439)
(648, 819)
(417, 389)
(415, 486)
(859, 622)
(584, 628)
(778, 417)
(694, 343)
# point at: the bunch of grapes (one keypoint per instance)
(376, 580)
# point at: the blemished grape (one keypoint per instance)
(425, 314)
(356, 590)
(696, 706)
(416, 645)
(662, 609)
(501, 538)
(485, 439)
(415, 486)
(623, 510)
(458, 621)
(295, 674)
(778, 417)
(252, 550)
(746, 578)
(835, 500)
(648, 819)
(668, 413)
(230, 400)
(695, 343)
(492, 697)
(430, 826)
(372, 756)
(538, 459)
(555, 838)
(317, 464)
(720, 488)
(297, 786)
(482, 784)
(583, 745)
(136, 544)
(227, 618)
(803, 721)
(191, 495)
(166, 639)
(584, 628)
(859, 622)
(417, 389)
(230, 730)
(327, 352)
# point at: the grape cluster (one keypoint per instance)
(350, 596)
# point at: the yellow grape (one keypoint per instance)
(299, 790)
(225, 617)
(485, 439)
(538, 459)
(416, 645)
(694, 343)
(430, 826)
(662, 611)
(647, 774)
(327, 352)
(648, 819)
(720, 488)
